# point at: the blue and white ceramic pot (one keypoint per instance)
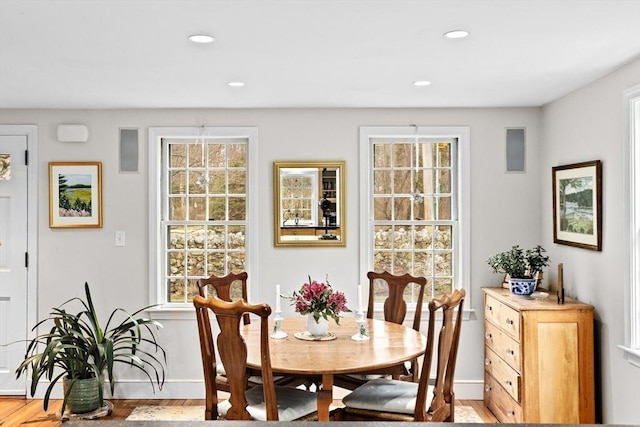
(522, 287)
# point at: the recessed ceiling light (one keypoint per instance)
(235, 84)
(201, 38)
(421, 83)
(456, 34)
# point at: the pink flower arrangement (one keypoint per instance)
(319, 299)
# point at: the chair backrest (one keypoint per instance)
(224, 288)
(395, 307)
(443, 401)
(233, 354)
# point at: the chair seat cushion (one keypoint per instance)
(385, 395)
(365, 377)
(293, 403)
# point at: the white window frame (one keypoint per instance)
(631, 179)
(462, 244)
(156, 255)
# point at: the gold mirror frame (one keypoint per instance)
(303, 221)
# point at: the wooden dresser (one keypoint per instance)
(539, 359)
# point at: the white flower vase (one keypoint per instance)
(319, 328)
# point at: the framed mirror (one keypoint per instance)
(309, 203)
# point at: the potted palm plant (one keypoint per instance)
(78, 350)
(522, 266)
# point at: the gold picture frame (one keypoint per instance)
(75, 194)
(309, 203)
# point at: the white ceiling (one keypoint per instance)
(307, 53)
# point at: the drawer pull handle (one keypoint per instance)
(488, 335)
(508, 383)
(489, 308)
(512, 413)
(487, 387)
(509, 322)
(510, 352)
(487, 362)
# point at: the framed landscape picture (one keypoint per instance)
(577, 205)
(75, 194)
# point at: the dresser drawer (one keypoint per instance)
(504, 316)
(500, 402)
(503, 345)
(502, 373)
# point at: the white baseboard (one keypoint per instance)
(469, 390)
(138, 389)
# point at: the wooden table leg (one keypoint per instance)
(325, 397)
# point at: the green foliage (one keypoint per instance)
(77, 347)
(64, 202)
(583, 198)
(62, 185)
(519, 263)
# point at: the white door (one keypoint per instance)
(13, 268)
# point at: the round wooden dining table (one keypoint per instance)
(389, 345)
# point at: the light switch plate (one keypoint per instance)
(120, 236)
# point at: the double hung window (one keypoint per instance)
(200, 216)
(415, 205)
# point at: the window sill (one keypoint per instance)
(173, 312)
(632, 355)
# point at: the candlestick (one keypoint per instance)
(278, 333)
(361, 335)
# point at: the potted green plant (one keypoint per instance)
(522, 266)
(78, 350)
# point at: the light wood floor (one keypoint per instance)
(16, 411)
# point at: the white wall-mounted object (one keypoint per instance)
(120, 238)
(72, 133)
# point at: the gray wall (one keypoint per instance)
(582, 126)
(119, 275)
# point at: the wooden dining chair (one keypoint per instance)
(233, 287)
(265, 402)
(395, 310)
(389, 399)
